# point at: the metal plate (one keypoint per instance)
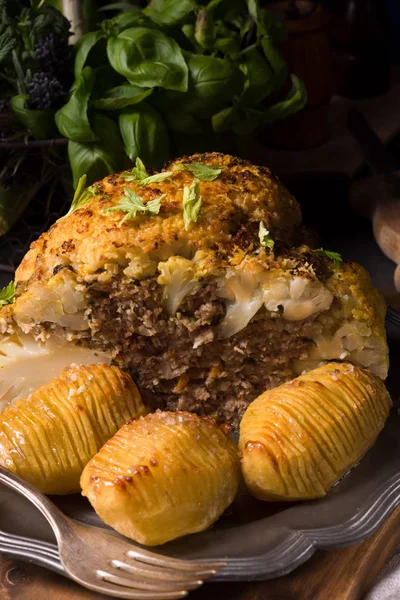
(261, 540)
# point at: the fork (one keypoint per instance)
(104, 562)
(392, 316)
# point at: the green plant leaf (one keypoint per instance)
(132, 18)
(169, 12)
(269, 23)
(265, 237)
(140, 175)
(7, 43)
(148, 58)
(39, 122)
(122, 96)
(201, 171)
(253, 7)
(72, 119)
(132, 203)
(224, 119)
(260, 78)
(212, 84)
(229, 46)
(204, 32)
(7, 294)
(97, 159)
(191, 203)
(144, 134)
(294, 101)
(83, 47)
(335, 256)
(182, 122)
(276, 60)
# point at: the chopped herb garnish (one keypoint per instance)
(203, 172)
(140, 175)
(335, 256)
(265, 238)
(7, 294)
(82, 195)
(191, 203)
(132, 203)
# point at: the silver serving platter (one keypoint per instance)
(261, 540)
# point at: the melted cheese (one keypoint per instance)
(25, 365)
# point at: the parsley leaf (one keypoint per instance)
(141, 176)
(132, 203)
(82, 195)
(137, 173)
(191, 203)
(7, 294)
(264, 236)
(203, 172)
(335, 256)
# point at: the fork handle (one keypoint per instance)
(56, 519)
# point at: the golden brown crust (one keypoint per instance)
(234, 203)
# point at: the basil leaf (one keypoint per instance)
(264, 236)
(269, 23)
(294, 101)
(335, 256)
(82, 48)
(228, 46)
(260, 78)
(39, 122)
(212, 84)
(169, 12)
(148, 58)
(253, 7)
(7, 294)
(100, 158)
(131, 18)
(122, 96)
(204, 32)
(224, 119)
(191, 203)
(132, 203)
(144, 134)
(72, 119)
(182, 122)
(276, 60)
(200, 171)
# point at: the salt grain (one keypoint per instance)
(71, 392)
(81, 389)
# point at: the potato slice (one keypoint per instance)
(163, 476)
(49, 437)
(298, 439)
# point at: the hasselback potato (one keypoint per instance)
(298, 439)
(49, 437)
(163, 476)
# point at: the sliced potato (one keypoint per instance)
(298, 439)
(163, 476)
(49, 437)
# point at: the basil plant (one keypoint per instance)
(173, 77)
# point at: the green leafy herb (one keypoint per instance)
(335, 256)
(265, 238)
(7, 294)
(191, 203)
(132, 203)
(200, 171)
(82, 195)
(144, 134)
(148, 58)
(140, 175)
(72, 119)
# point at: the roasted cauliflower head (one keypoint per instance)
(198, 281)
